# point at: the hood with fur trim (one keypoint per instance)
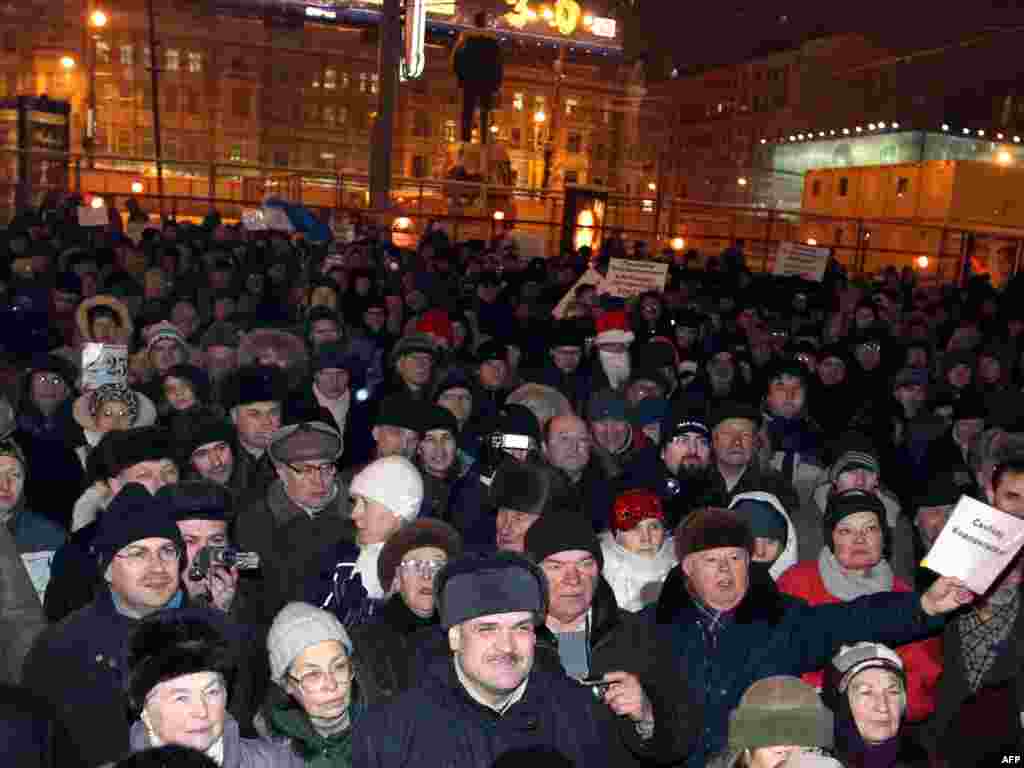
(789, 555)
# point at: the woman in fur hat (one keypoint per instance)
(179, 674)
(109, 408)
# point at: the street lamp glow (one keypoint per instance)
(494, 129)
(764, 141)
(894, 126)
(652, 186)
(499, 215)
(846, 131)
(137, 187)
(548, 14)
(945, 126)
(871, 126)
(742, 181)
(588, 20)
(98, 19)
(1004, 157)
(811, 241)
(96, 202)
(922, 262)
(981, 133)
(678, 243)
(539, 116)
(67, 62)
(792, 138)
(881, 126)
(402, 223)
(966, 131)
(1016, 139)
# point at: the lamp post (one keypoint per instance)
(539, 118)
(97, 21)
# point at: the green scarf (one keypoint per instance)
(288, 720)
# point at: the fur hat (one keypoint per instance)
(732, 409)
(849, 502)
(419, 533)
(221, 334)
(780, 710)
(523, 486)
(121, 449)
(202, 429)
(408, 345)
(483, 585)
(436, 417)
(394, 482)
(400, 411)
(258, 342)
(607, 405)
(196, 378)
(297, 627)
(163, 649)
(255, 384)
(711, 528)
(437, 323)
(140, 407)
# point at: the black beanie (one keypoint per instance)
(401, 411)
(561, 530)
(436, 417)
(849, 502)
(202, 429)
(134, 515)
(121, 449)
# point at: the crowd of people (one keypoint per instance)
(269, 502)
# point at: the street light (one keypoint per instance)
(539, 116)
(742, 181)
(98, 19)
(1004, 157)
(137, 187)
(67, 63)
(922, 262)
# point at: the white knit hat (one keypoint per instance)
(852, 659)
(394, 482)
(299, 626)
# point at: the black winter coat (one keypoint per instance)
(437, 725)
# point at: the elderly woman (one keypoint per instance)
(178, 670)
(778, 720)
(184, 388)
(314, 694)
(638, 555)
(853, 564)
(106, 409)
(867, 691)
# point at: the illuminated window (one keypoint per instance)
(235, 153)
(102, 51)
(517, 102)
(572, 106)
(127, 54)
(364, 79)
(345, 80)
(329, 114)
(173, 59)
(195, 61)
(374, 82)
(330, 78)
(449, 130)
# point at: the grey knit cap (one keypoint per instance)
(299, 626)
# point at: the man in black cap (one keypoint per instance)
(932, 509)
(413, 359)
(562, 369)
(143, 455)
(208, 451)
(254, 396)
(398, 427)
(489, 684)
(948, 454)
(648, 714)
(438, 460)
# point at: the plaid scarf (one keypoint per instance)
(981, 639)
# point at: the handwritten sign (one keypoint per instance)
(93, 217)
(799, 260)
(104, 364)
(976, 544)
(590, 277)
(627, 278)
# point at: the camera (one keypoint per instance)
(597, 686)
(226, 557)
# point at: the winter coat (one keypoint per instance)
(38, 539)
(477, 61)
(238, 752)
(251, 475)
(75, 579)
(357, 436)
(623, 642)
(922, 660)
(384, 650)
(811, 530)
(289, 541)
(595, 494)
(21, 616)
(978, 728)
(754, 478)
(791, 552)
(284, 723)
(437, 724)
(334, 585)
(78, 667)
(774, 634)
(28, 732)
(576, 386)
(636, 580)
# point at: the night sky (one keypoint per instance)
(703, 33)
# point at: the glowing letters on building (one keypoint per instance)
(565, 16)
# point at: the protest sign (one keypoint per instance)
(628, 277)
(93, 217)
(976, 544)
(253, 221)
(799, 260)
(104, 364)
(590, 277)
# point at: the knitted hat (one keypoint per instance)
(419, 533)
(408, 345)
(651, 410)
(491, 350)
(483, 585)
(197, 500)
(437, 323)
(732, 409)
(684, 419)
(436, 417)
(607, 405)
(562, 530)
(851, 460)
(255, 384)
(780, 710)
(392, 481)
(121, 449)
(762, 515)
(712, 528)
(134, 515)
(195, 376)
(163, 648)
(296, 627)
(613, 328)
(855, 658)
(203, 429)
(307, 441)
(634, 506)
(845, 503)
(161, 332)
(400, 411)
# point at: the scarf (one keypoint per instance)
(847, 585)
(314, 511)
(337, 408)
(366, 567)
(981, 640)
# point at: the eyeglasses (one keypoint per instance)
(313, 680)
(168, 553)
(311, 471)
(42, 378)
(426, 569)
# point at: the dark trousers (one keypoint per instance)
(471, 99)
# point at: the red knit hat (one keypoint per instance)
(613, 328)
(634, 506)
(437, 323)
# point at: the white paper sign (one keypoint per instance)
(104, 364)
(799, 260)
(38, 566)
(627, 278)
(253, 221)
(93, 217)
(976, 544)
(590, 277)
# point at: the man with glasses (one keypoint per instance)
(302, 514)
(408, 563)
(567, 446)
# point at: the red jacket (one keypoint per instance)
(922, 660)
